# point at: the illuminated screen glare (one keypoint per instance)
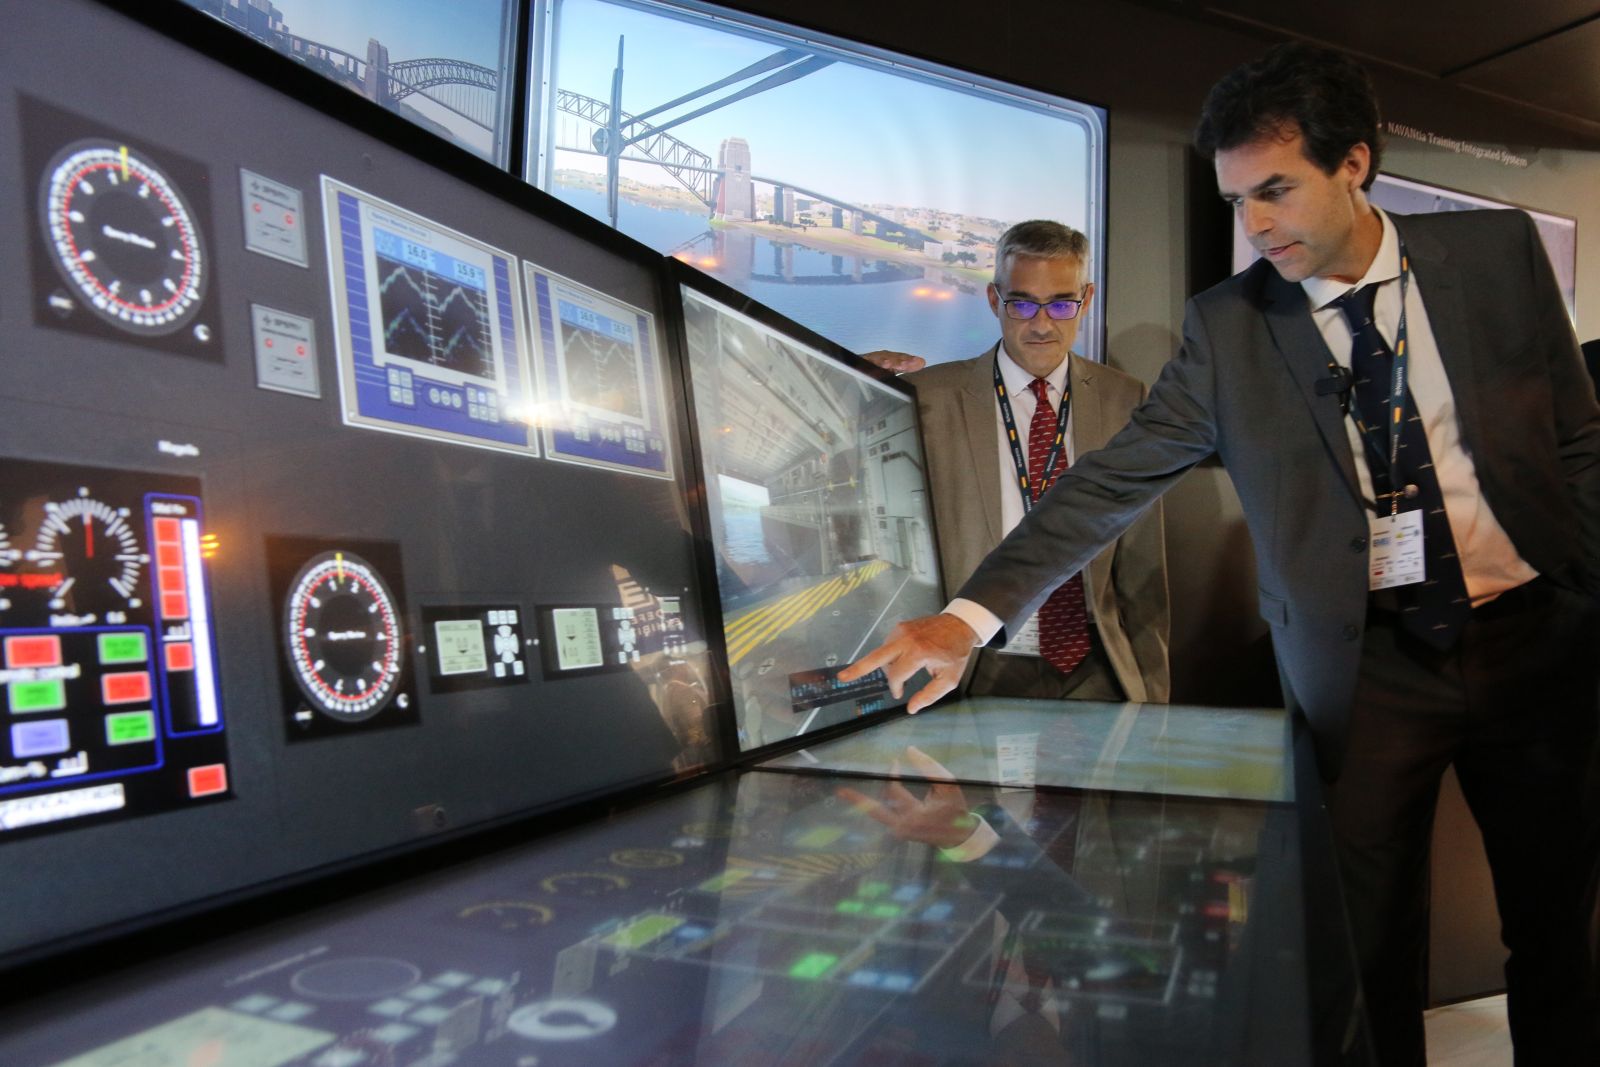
(857, 192)
(819, 519)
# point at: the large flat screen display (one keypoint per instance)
(819, 512)
(857, 191)
(301, 559)
(445, 67)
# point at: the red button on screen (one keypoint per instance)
(41, 651)
(180, 657)
(167, 532)
(169, 555)
(208, 780)
(130, 688)
(170, 579)
(175, 605)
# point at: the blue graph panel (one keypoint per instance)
(600, 375)
(432, 339)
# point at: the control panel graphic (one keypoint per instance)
(600, 375)
(583, 638)
(474, 647)
(342, 635)
(119, 247)
(430, 330)
(108, 660)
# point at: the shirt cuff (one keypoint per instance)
(977, 845)
(984, 622)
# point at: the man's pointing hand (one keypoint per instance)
(939, 643)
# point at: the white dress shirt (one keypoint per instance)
(1489, 563)
(1023, 405)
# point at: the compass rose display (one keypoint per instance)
(119, 247)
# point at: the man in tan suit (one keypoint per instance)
(1041, 272)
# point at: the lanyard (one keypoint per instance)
(1395, 406)
(1021, 461)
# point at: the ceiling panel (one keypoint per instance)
(1562, 73)
(1434, 36)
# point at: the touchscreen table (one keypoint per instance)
(766, 917)
(1237, 753)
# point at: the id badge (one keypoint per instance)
(1025, 642)
(1394, 555)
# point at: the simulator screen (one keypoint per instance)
(282, 520)
(852, 189)
(820, 518)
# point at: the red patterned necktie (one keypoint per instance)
(1064, 618)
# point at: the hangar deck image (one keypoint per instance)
(815, 481)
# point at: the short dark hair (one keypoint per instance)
(1327, 96)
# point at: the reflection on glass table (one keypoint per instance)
(1239, 753)
(761, 919)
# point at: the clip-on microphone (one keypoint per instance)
(1338, 383)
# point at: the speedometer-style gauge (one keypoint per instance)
(123, 237)
(343, 633)
(89, 554)
(9, 555)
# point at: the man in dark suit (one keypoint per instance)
(1402, 408)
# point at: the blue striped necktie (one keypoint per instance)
(1436, 608)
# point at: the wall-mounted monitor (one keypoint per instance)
(819, 515)
(854, 190)
(446, 68)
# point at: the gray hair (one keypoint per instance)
(1042, 238)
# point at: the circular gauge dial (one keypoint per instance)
(123, 238)
(343, 636)
(92, 555)
(506, 915)
(9, 556)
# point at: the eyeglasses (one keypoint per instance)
(1055, 309)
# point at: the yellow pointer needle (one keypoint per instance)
(123, 151)
(338, 559)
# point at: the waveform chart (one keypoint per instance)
(430, 332)
(599, 368)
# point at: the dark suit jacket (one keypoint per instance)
(1126, 585)
(1243, 387)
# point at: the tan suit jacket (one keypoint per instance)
(1126, 584)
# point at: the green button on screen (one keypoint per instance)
(130, 727)
(814, 965)
(122, 648)
(28, 697)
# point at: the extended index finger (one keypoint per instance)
(865, 805)
(878, 657)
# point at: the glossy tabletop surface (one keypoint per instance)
(769, 918)
(1233, 753)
